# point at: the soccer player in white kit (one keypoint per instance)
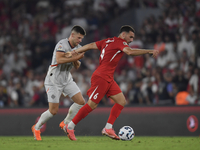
(59, 80)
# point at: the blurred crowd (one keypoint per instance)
(29, 30)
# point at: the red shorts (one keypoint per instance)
(100, 87)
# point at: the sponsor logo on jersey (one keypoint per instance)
(59, 47)
(125, 43)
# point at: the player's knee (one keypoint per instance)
(81, 102)
(92, 104)
(123, 103)
(54, 111)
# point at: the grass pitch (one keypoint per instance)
(98, 143)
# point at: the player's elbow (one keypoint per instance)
(58, 61)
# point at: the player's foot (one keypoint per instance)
(70, 133)
(62, 124)
(110, 133)
(36, 133)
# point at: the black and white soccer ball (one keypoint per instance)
(126, 133)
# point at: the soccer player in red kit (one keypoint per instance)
(102, 81)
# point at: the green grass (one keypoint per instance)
(98, 143)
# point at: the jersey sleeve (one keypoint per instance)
(99, 44)
(122, 45)
(60, 48)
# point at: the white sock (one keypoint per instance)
(71, 125)
(108, 126)
(43, 118)
(73, 110)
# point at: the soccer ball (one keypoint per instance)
(126, 133)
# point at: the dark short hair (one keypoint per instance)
(126, 28)
(78, 29)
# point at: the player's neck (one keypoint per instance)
(120, 36)
(70, 43)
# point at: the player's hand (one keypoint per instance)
(79, 56)
(154, 53)
(74, 53)
(68, 54)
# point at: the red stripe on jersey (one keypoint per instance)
(54, 65)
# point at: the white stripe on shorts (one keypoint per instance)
(93, 93)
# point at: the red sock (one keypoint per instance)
(82, 113)
(115, 112)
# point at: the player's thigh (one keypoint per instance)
(98, 89)
(116, 94)
(53, 95)
(119, 98)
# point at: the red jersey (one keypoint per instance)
(111, 52)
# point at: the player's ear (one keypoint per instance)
(72, 34)
(123, 35)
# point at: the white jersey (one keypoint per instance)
(59, 74)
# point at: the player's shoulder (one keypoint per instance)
(113, 39)
(62, 45)
(109, 40)
(63, 41)
(120, 41)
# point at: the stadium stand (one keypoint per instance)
(30, 29)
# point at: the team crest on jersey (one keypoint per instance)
(59, 47)
(125, 43)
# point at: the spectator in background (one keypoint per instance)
(184, 61)
(162, 59)
(29, 25)
(186, 98)
(159, 45)
(3, 97)
(165, 89)
(35, 98)
(180, 81)
(194, 81)
(197, 51)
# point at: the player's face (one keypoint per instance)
(77, 38)
(129, 37)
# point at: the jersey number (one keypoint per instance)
(103, 52)
(95, 96)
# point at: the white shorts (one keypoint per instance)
(53, 93)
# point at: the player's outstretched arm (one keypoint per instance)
(137, 52)
(62, 57)
(86, 47)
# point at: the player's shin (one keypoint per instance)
(73, 110)
(115, 112)
(43, 118)
(82, 113)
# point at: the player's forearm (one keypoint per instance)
(137, 52)
(86, 47)
(64, 59)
